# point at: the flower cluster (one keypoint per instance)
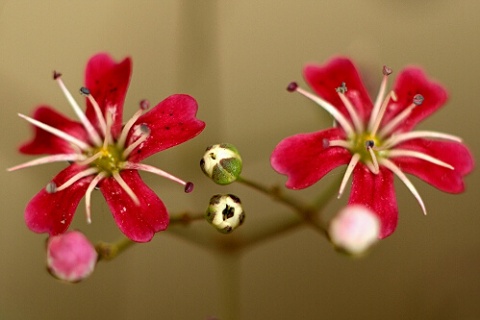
(104, 153)
(375, 140)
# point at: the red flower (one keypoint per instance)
(104, 153)
(375, 140)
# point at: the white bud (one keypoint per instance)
(225, 212)
(354, 229)
(222, 163)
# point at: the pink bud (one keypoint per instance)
(354, 229)
(70, 256)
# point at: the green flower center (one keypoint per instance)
(362, 142)
(109, 159)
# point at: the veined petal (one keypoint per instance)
(454, 153)
(325, 79)
(52, 213)
(171, 122)
(377, 192)
(46, 143)
(108, 82)
(412, 81)
(306, 158)
(139, 223)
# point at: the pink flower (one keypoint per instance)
(374, 140)
(105, 153)
(70, 256)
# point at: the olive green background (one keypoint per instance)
(236, 58)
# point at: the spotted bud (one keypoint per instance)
(225, 212)
(222, 163)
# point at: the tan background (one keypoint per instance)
(236, 58)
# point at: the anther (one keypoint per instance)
(292, 86)
(144, 104)
(369, 144)
(56, 75)
(418, 99)
(51, 187)
(387, 71)
(189, 187)
(144, 129)
(342, 89)
(325, 143)
(84, 91)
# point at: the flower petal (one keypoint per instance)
(306, 158)
(139, 223)
(171, 122)
(376, 192)
(52, 213)
(46, 143)
(108, 82)
(454, 153)
(412, 81)
(325, 79)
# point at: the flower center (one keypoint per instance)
(108, 159)
(364, 144)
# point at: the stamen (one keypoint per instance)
(144, 134)
(126, 128)
(350, 108)
(51, 187)
(59, 133)
(348, 173)
(340, 143)
(151, 169)
(380, 97)
(92, 158)
(381, 112)
(88, 195)
(326, 106)
(419, 155)
(93, 134)
(96, 107)
(373, 167)
(126, 187)
(398, 138)
(108, 131)
(49, 159)
(144, 104)
(417, 100)
(75, 178)
(396, 170)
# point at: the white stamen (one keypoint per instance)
(108, 131)
(330, 109)
(396, 170)
(49, 159)
(126, 187)
(88, 195)
(395, 139)
(127, 127)
(80, 114)
(148, 168)
(378, 103)
(418, 155)
(389, 127)
(375, 169)
(59, 133)
(340, 143)
(91, 159)
(348, 173)
(98, 113)
(78, 176)
(144, 134)
(351, 110)
(381, 112)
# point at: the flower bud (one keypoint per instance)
(70, 256)
(222, 163)
(225, 212)
(354, 229)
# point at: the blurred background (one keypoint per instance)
(236, 58)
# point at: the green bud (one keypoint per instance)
(222, 163)
(225, 212)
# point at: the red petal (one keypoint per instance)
(453, 153)
(53, 212)
(47, 143)
(325, 79)
(377, 192)
(139, 223)
(412, 81)
(304, 158)
(108, 82)
(171, 122)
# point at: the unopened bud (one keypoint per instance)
(222, 163)
(354, 229)
(70, 256)
(225, 212)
